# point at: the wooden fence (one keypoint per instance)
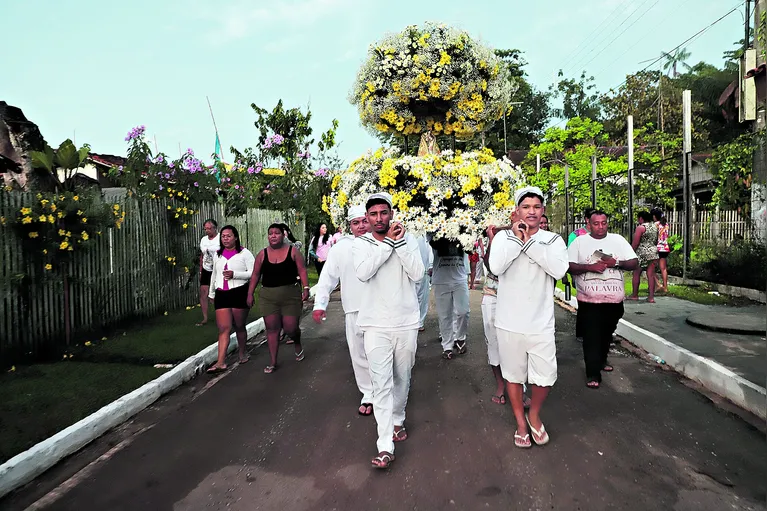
(125, 275)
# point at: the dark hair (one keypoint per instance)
(658, 216)
(588, 212)
(529, 195)
(544, 216)
(375, 202)
(593, 212)
(236, 233)
(644, 215)
(287, 232)
(210, 221)
(316, 239)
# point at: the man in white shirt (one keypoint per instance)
(596, 261)
(527, 261)
(339, 266)
(388, 262)
(449, 279)
(423, 286)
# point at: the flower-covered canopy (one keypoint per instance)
(431, 78)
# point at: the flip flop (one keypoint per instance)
(447, 355)
(522, 441)
(270, 369)
(216, 370)
(300, 356)
(244, 360)
(400, 435)
(608, 368)
(383, 461)
(363, 409)
(461, 347)
(539, 437)
(499, 399)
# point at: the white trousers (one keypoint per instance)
(453, 312)
(356, 342)
(391, 356)
(422, 287)
(491, 335)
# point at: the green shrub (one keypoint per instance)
(740, 264)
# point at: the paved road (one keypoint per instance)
(292, 440)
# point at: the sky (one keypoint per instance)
(91, 70)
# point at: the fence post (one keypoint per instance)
(630, 138)
(567, 199)
(687, 149)
(594, 181)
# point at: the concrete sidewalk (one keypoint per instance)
(745, 355)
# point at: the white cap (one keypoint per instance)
(526, 190)
(355, 212)
(384, 196)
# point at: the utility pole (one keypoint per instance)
(537, 163)
(686, 151)
(759, 174)
(594, 181)
(630, 138)
(567, 198)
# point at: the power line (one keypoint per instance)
(615, 30)
(587, 39)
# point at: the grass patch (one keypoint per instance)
(691, 294)
(40, 400)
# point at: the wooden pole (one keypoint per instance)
(594, 181)
(687, 199)
(630, 137)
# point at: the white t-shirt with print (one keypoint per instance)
(209, 247)
(606, 287)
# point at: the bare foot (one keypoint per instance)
(651, 300)
(633, 298)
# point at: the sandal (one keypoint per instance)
(592, 384)
(522, 441)
(300, 356)
(461, 347)
(499, 399)
(244, 360)
(540, 437)
(400, 435)
(608, 368)
(270, 369)
(216, 369)
(447, 354)
(363, 409)
(383, 460)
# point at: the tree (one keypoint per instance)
(284, 144)
(579, 98)
(673, 60)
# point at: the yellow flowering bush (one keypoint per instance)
(54, 226)
(448, 195)
(431, 78)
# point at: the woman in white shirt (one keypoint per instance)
(209, 245)
(232, 268)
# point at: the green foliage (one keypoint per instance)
(740, 264)
(731, 165)
(278, 173)
(67, 159)
(579, 98)
(674, 60)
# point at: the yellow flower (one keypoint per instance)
(184, 226)
(12, 369)
(33, 235)
(42, 218)
(44, 202)
(116, 207)
(64, 245)
(60, 214)
(2, 220)
(76, 198)
(62, 232)
(84, 220)
(26, 211)
(88, 343)
(45, 251)
(169, 207)
(53, 208)
(48, 267)
(69, 234)
(103, 338)
(26, 220)
(79, 212)
(51, 219)
(165, 313)
(84, 236)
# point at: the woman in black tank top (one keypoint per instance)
(282, 272)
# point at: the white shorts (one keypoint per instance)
(491, 337)
(528, 358)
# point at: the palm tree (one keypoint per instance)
(678, 58)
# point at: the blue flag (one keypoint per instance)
(218, 147)
(217, 160)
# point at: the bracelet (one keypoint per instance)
(307, 287)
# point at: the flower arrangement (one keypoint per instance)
(57, 225)
(431, 78)
(447, 195)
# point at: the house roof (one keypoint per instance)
(108, 160)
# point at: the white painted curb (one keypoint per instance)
(712, 375)
(25, 466)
